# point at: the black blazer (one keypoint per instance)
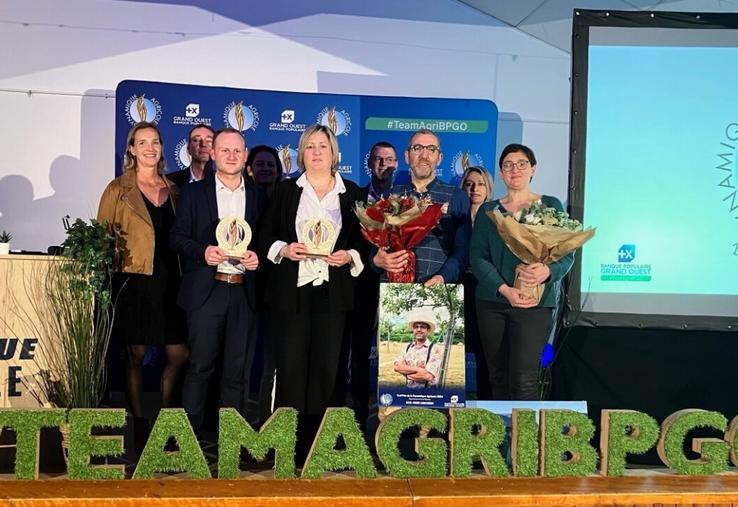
(180, 178)
(194, 230)
(278, 223)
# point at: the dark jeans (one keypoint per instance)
(512, 340)
(224, 322)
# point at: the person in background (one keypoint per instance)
(477, 184)
(263, 168)
(383, 163)
(138, 208)
(308, 296)
(361, 325)
(199, 148)
(513, 327)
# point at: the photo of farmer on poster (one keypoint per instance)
(421, 346)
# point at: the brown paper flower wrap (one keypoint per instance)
(537, 243)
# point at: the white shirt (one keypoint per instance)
(230, 203)
(315, 270)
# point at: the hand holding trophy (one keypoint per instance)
(318, 235)
(234, 235)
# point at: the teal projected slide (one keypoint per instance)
(660, 181)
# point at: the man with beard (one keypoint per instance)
(441, 257)
(199, 146)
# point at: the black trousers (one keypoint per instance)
(309, 347)
(361, 327)
(512, 340)
(223, 323)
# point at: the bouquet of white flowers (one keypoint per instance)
(539, 234)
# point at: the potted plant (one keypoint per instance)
(75, 332)
(5, 238)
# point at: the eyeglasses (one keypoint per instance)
(417, 148)
(520, 165)
(384, 160)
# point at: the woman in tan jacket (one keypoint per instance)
(138, 208)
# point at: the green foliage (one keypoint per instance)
(525, 443)
(629, 432)
(278, 433)
(467, 447)
(539, 214)
(431, 451)
(189, 458)
(27, 425)
(324, 457)
(5, 237)
(82, 445)
(75, 335)
(714, 452)
(566, 431)
(90, 248)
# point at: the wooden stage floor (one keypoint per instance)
(638, 488)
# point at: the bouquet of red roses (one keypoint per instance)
(398, 222)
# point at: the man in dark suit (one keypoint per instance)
(199, 147)
(361, 324)
(217, 291)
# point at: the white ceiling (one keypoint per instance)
(550, 20)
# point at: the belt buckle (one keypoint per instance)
(232, 278)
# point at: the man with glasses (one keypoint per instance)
(199, 147)
(361, 325)
(383, 163)
(441, 257)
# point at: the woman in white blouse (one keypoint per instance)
(309, 293)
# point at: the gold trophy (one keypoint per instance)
(318, 235)
(234, 235)
(240, 120)
(286, 159)
(141, 107)
(332, 120)
(465, 161)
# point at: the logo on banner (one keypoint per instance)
(343, 169)
(625, 270)
(182, 155)
(287, 123)
(627, 253)
(192, 110)
(288, 157)
(140, 108)
(241, 117)
(386, 399)
(464, 160)
(338, 121)
(191, 116)
(287, 116)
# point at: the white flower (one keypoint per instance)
(532, 219)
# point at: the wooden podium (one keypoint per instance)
(22, 279)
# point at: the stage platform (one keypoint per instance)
(639, 488)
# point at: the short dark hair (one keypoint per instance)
(199, 126)
(382, 144)
(228, 130)
(515, 148)
(425, 131)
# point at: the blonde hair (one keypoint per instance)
(302, 145)
(129, 161)
(485, 176)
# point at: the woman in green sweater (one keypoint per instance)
(513, 327)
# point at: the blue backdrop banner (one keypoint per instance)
(467, 127)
